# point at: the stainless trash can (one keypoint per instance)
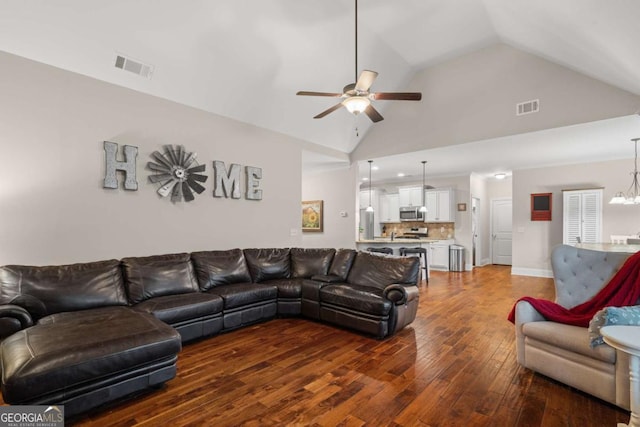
(456, 258)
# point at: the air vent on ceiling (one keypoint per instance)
(528, 107)
(134, 66)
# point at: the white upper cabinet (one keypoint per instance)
(410, 196)
(439, 205)
(390, 208)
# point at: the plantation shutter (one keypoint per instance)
(582, 216)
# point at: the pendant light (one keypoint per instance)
(370, 208)
(633, 194)
(423, 208)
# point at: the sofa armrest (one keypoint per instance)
(13, 318)
(327, 278)
(525, 313)
(401, 294)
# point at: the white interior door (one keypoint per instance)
(501, 231)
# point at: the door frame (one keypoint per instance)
(491, 214)
(477, 239)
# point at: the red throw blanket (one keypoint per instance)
(623, 289)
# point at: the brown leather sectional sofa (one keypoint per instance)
(83, 335)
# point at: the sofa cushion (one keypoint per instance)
(66, 287)
(266, 264)
(379, 272)
(241, 294)
(365, 299)
(310, 262)
(172, 309)
(287, 288)
(568, 337)
(154, 276)
(215, 268)
(72, 349)
(341, 264)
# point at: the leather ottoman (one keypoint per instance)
(84, 359)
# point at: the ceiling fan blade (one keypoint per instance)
(365, 80)
(373, 114)
(398, 96)
(308, 93)
(329, 110)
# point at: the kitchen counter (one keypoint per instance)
(387, 240)
(610, 247)
(437, 249)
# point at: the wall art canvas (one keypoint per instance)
(312, 215)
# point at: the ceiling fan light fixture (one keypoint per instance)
(356, 104)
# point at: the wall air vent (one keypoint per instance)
(134, 66)
(528, 107)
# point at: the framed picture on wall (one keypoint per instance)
(312, 215)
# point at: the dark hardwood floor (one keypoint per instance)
(454, 366)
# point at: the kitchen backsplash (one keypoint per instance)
(437, 230)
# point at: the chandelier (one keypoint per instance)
(633, 193)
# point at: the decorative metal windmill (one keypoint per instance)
(176, 173)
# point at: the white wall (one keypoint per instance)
(474, 97)
(532, 246)
(338, 189)
(53, 208)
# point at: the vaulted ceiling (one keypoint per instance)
(245, 59)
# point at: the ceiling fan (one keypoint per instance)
(356, 97)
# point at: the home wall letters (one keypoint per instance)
(112, 165)
(177, 165)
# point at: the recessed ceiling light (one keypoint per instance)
(375, 168)
(500, 175)
(400, 174)
(365, 179)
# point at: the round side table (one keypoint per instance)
(627, 339)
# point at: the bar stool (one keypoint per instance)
(422, 254)
(384, 250)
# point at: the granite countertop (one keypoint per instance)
(387, 240)
(610, 247)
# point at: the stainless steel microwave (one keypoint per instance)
(410, 213)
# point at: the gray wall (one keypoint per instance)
(53, 208)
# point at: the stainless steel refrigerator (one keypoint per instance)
(366, 224)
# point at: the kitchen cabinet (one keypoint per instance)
(390, 208)
(438, 254)
(410, 196)
(439, 205)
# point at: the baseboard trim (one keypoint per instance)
(533, 272)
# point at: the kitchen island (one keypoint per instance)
(437, 249)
